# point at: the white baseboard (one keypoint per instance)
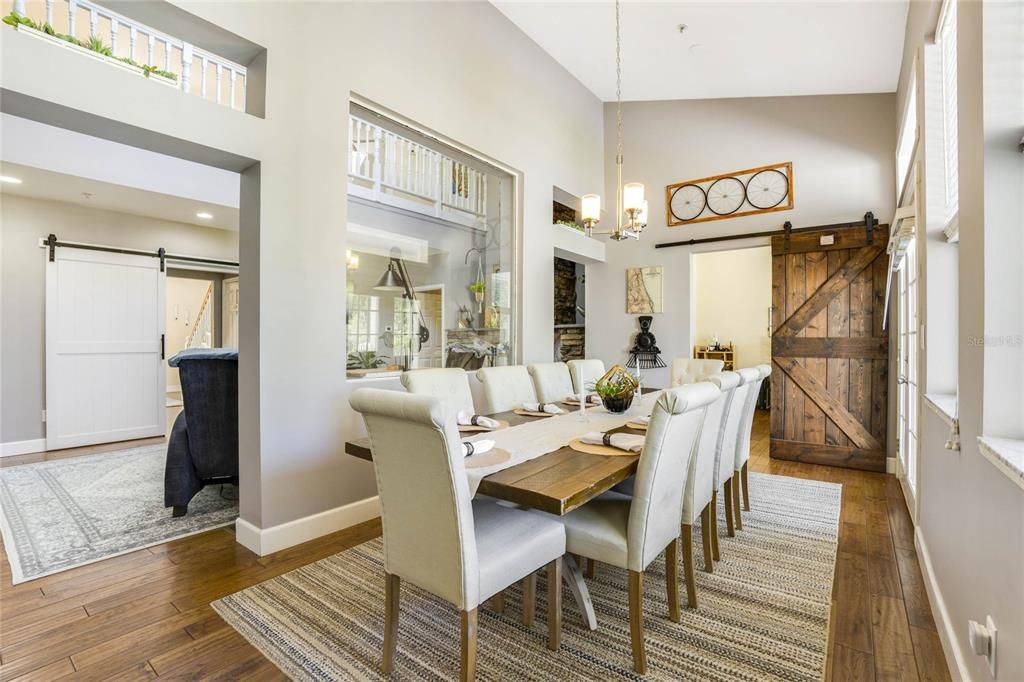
(890, 465)
(265, 541)
(947, 630)
(22, 447)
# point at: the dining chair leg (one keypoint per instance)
(555, 604)
(737, 516)
(672, 574)
(591, 568)
(529, 598)
(705, 537)
(746, 488)
(392, 589)
(467, 670)
(714, 527)
(636, 620)
(729, 523)
(688, 567)
(498, 602)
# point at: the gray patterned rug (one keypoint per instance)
(763, 614)
(64, 513)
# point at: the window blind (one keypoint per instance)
(947, 43)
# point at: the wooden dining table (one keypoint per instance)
(556, 483)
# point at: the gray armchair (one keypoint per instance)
(203, 447)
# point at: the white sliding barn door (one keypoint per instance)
(105, 377)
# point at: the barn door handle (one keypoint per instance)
(162, 355)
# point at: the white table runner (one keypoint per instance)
(533, 439)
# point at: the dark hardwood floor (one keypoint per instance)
(147, 614)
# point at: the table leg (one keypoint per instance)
(573, 577)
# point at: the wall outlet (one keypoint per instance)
(983, 641)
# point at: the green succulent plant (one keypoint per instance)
(364, 360)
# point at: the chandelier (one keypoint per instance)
(629, 198)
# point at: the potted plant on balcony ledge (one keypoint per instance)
(93, 48)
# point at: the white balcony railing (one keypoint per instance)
(190, 69)
(391, 169)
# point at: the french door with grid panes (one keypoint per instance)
(907, 422)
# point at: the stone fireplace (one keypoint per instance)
(569, 328)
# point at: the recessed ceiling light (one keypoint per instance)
(204, 215)
(7, 179)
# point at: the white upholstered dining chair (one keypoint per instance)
(700, 482)
(506, 387)
(630, 532)
(743, 445)
(725, 454)
(447, 383)
(435, 537)
(691, 370)
(584, 373)
(551, 381)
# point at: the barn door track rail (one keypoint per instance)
(51, 242)
(869, 224)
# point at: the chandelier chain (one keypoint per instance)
(618, 79)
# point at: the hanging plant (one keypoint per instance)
(478, 288)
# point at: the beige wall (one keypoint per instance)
(970, 515)
(23, 222)
(842, 148)
(490, 88)
(732, 291)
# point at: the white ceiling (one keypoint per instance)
(729, 48)
(39, 183)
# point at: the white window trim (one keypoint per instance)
(1006, 454)
(952, 227)
(910, 106)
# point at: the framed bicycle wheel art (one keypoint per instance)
(730, 195)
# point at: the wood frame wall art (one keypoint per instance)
(730, 195)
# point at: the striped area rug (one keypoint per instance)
(763, 614)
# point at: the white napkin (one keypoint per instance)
(622, 441)
(641, 420)
(467, 418)
(592, 399)
(477, 447)
(550, 408)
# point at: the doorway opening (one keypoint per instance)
(730, 306)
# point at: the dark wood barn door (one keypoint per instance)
(829, 353)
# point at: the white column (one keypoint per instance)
(167, 56)
(186, 67)
(231, 103)
(220, 71)
(72, 11)
(202, 78)
(19, 7)
(49, 10)
(114, 26)
(149, 49)
(93, 19)
(133, 34)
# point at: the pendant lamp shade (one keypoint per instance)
(391, 280)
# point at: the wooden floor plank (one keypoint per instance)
(147, 612)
